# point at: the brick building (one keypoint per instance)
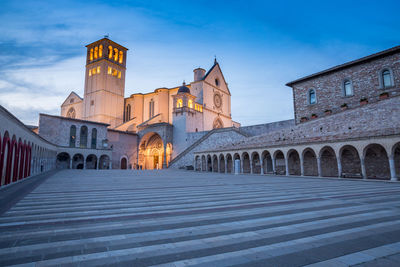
(347, 124)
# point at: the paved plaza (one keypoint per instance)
(183, 218)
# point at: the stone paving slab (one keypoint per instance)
(182, 218)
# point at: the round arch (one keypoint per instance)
(294, 164)
(63, 160)
(310, 164)
(221, 163)
(376, 162)
(91, 162)
(77, 162)
(151, 151)
(350, 162)
(267, 162)
(256, 162)
(246, 162)
(329, 164)
(215, 163)
(280, 164)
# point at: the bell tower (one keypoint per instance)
(105, 82)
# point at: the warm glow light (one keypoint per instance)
(190, 103)
(110, 52)
(98, 69)
(90, 72)
(115, 73)
(100, 50)
(91, 54)
(179, 103)
(109, 70)
(115, 54)
(119, 75)
(121, 55)
(96, 50)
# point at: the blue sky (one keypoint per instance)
(260, 45)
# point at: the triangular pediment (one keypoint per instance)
(214, 76)
(76, 99)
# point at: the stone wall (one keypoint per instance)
(123, 144)
(380, 118)
(56, 130)
(365, 80)
(259, 129)
(218, 138)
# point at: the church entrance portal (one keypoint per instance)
(153, 152)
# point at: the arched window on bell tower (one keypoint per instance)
(110, 52)
(100, 51)
(91, 54)
(179, 103)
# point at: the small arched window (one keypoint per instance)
(128, 112)
(217, 82)
(121, 56)
(110, 52)
(115, 54)
(347, 88)
(91, 54)
(190, 103)
(71, 113)
(179, 103)
(94, 138)
(386, 78)
(72, 136)
(312, 97)
(96, 52)
(83, 137)
(100, 51)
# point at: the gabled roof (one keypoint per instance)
(216, 64)
(72, 93)
(378, 55)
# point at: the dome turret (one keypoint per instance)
(183, 89)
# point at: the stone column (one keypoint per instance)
(261, 166)
(363, 170)
(110, 165)
(393, 175)
(287, 166)
(226, 164)
(273, 166)
(319, 167)
(339, 167)
(218, 165)
(251, 166)
(164, 164)
(301, 165)
(84, 164)
(70, 163)
(241, 165)
(97, 164)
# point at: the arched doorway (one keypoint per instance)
(63, 160)
(104, 162)
(294, 162)
(267, 162)
(209, 163)
(329, 166)
(124, 164)
(229, 163)
(280, 165)
(255, 160)
(350, 161)
(376, 162)
(246, 162)
(197, 163)
(310, 164)
(221, 163)
(91, 162)
(215, 164)
(77, 161)
(151, 152)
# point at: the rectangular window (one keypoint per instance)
(109, 71)
(98, 69)
(119, 75)
(92, 102)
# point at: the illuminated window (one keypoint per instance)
(115, 54)
(119, 75)
(179, 103)
(109, 70)
(110, 50)
(96, 51)
(100, 50)
(190, 103)
(115, 72)
(90, 72)
(121, 55)
(98, 69)
(91, 54)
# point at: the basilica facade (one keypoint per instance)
(159, 123)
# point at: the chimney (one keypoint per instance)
(199, 74)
